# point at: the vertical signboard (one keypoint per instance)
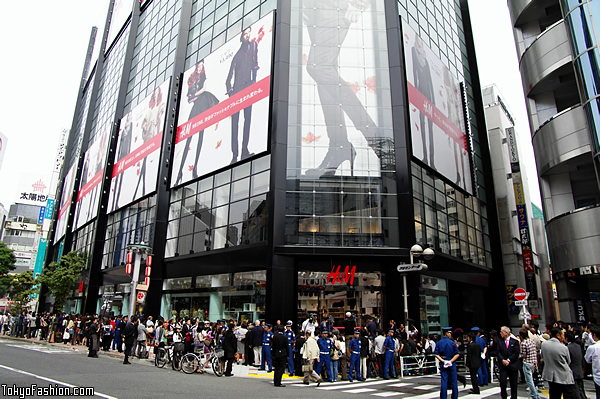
(135, 170)
(3, 143)
(224, 112)
(522, 219)
(436, 113)
(65, 203)
(91, 180)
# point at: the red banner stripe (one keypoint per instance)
(64, 208)
(224, 109)
(138, 154)
(418, 100)
(85, 190)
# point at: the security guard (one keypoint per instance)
(388, 346)
(482, 373)
(266, 349)
(291, 337)
(325, 346)
(447, 353)
(354, 348)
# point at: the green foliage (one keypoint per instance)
(7, 264)
(21, 287)
(60, 277)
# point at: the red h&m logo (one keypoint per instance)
(336, 277)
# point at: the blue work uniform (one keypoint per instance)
(389, 345)
(354, 349)
(291, 337)
(266, 351)
(325, 346)
(482, 373)
(447, 349)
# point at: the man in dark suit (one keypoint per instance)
(509, 362)
(129, 337)
(280, 350)
(473, 362)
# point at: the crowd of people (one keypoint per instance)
(562, 355)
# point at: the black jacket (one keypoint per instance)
(229, 344)
(130, 333)
(279, 346)
(473, 355)
(257, 336)
(512, 353)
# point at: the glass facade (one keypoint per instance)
(341, 164)
(583, 20)
(225, 210)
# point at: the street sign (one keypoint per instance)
(141, 296)
(141, 287)
(414, 267)
(520, 303)
(520, 294)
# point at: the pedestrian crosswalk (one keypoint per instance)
(40, 348)
(425, 387)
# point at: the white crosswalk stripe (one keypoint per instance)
(38, 348)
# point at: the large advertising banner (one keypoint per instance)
(65, 204)
(91, 180)
(340, 103)
(121, 12)
(135, 171)
(3, 143)
(224, 112)
(436, 112)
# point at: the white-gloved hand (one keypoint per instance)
(483, 355)
(447, 363)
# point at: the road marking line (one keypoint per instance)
(387, 394)
(54, 381)
(38, 349)
(357, 384)
(360, 390)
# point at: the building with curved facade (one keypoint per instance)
(279, 159)
(557, 45)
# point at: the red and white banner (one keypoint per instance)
(60, 227)
(224, 113)
(436, 112)
(135, 171)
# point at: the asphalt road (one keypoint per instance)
(24, 364)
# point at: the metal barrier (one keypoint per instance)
(418, 364)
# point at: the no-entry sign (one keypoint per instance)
(520, 294)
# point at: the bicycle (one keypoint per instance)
(163, 356)
(191, 362)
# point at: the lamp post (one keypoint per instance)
(139, 250)
(415, 252)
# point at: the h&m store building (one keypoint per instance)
(279, 158)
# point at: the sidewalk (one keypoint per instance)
(238, 369)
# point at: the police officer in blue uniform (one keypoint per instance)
(482, 373)
(388, 346)
(354, 348)
(447, 353)
(325, 346)
(291, 337)
(266, 349)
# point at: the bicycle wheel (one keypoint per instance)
(373, 370)
(216, 366)
(176, 364)
(160, 359)
(189, 363)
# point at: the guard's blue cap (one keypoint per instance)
(446, 329)
(268, 325)
(391, 329)
(475, 329)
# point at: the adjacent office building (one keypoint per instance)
(557, 44)
(279, 158)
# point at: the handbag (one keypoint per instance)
(307, 368)
(66, 335)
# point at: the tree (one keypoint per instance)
(7, 264)
(60, 277)
(21, 287)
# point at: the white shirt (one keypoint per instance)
(308, 326)
(592, 355)
(379, 340)
(588, 339)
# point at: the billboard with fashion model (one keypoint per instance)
(436, 113)
(340, 105)
(90, 183)
(224, 108)
(65, 203)
(135, 170)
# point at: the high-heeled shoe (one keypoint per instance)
(333, 159)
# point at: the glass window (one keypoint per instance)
(240, 189)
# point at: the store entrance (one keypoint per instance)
(328, 298)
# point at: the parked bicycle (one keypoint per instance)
(170, 354)
(191, 362)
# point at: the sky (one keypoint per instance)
(43, 59)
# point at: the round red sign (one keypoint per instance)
(140, 295)
(520, 294)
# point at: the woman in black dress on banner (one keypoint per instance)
(202, 100)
